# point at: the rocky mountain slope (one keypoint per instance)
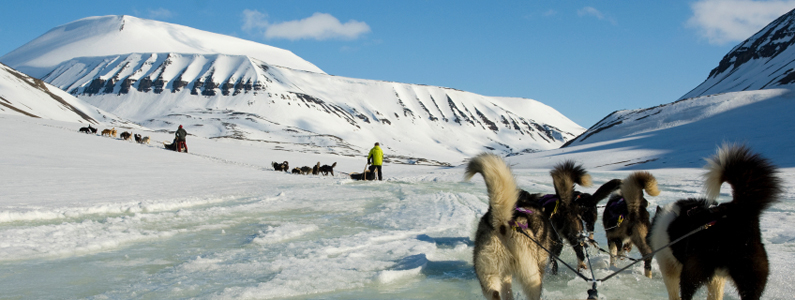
(766, 60)
(21, 94)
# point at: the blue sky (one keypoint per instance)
(583, 58)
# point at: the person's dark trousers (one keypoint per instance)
(378, 169)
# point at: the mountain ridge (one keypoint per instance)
(114, 35)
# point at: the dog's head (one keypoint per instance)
(585, 206)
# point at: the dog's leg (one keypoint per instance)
(557, 248)
(530, 274)
(715, 287)
(639, 239)
(614, 244)
(694, 275)
(671, 275)
(750, 276)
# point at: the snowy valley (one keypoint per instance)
(97, 217)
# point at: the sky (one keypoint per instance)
(586, 58)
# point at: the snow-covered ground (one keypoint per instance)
(86, 216)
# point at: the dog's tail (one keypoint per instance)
(754, 181)
(565, 175)
(633, 186)
(334, 164)
(604, 191)
(500, 185)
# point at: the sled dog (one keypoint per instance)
(316, 169)
(732, 246)
(501, 253)
(626, 219)
(325, 169)
(281, 166)
(585, 204)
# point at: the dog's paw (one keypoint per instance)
(647, 273)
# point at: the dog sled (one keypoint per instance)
(173, 146)
(367, 174)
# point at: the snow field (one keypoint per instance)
(85, 216)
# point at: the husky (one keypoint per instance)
(281, 166)
(316, 169)
(88, 129)
(585, 204)
(732, 246)
(502, 253)
(125, 135)
(626, 219)
(145, 140)
(306, 170)
(138, 138)
(325, 169)
(107, 132)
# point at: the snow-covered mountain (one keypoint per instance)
(747, 99)
(763, 61)
(114, 35)
(244, 94)
(21, 94)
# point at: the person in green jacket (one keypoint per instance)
(376, 159)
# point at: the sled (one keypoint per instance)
(172, 146)
(365, 175)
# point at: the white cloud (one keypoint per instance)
(319, 26)
(160, 13)
(593, 12)
(725, 21)
(253, 19)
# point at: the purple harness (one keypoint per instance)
(515, 224)
(616, 210)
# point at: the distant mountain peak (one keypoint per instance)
(123, 34)
(763, 61)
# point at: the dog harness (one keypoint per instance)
(547, 200)
(616, 211)
(516, 225)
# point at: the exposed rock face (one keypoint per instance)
(763, 61)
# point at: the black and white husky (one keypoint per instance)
(501, 253)
(732, 247)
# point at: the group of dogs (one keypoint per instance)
(721, 240)
(305, 170)
(112, 133)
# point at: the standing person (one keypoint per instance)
(180, 136)
(376, 158)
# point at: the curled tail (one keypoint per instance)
(754, 181)
(500, 185)
(604, 191)
(565, 175)
(633, 186)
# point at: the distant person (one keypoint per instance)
(179, 137)
(376, 159)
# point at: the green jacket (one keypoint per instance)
(377, 155)
(181, 134)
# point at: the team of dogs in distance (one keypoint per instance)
(112, 133)
(722, 240)
(305, 170)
